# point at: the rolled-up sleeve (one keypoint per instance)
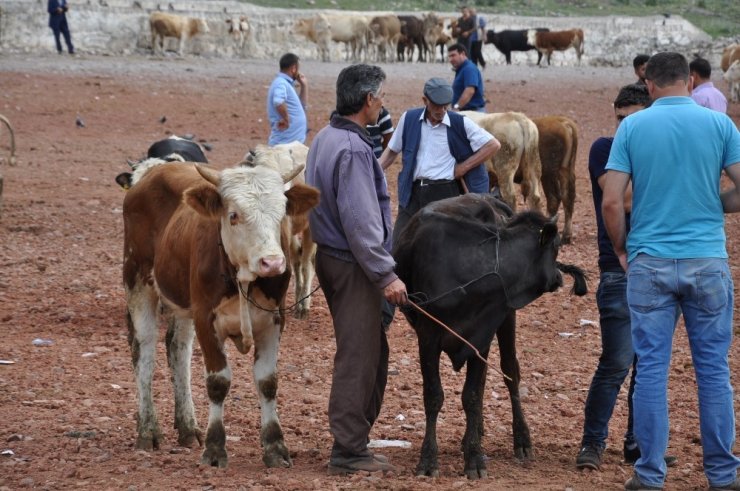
(477, 136)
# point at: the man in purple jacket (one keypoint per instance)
(352, 227)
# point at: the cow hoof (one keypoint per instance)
(276, 455)
(475, 474)
(149, 441)
(215, 457)
(276, 461)
(187, 438)
(524, 453)
(565, 239)
(427, 470)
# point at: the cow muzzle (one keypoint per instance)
(271, 265)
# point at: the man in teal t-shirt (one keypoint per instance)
(674, 154)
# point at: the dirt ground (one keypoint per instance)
(67, 409)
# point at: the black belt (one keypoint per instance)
(432, 182)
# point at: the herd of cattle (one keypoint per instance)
(382, 38)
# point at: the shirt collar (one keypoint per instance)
(673, 100)
(286, 77)
(342, 123)
(423, 118)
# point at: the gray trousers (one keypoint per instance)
(361, 360)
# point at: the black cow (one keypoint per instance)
(170, 149)
(412, 31)
(470, 263)
(508, 41)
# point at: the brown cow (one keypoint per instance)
(386, 32)
(519, 152)
(558, 146)
(210, 248)
(730, 55)
(183, 28)
(548, 41)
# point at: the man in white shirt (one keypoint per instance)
(442, 153)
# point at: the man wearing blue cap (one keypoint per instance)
(440, 149)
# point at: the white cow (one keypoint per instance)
(183, 28)
(283, 158)
(239, 30)
(732, 76)
(317, 30)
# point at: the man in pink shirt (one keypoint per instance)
(705, 93)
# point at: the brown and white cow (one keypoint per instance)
(239, 30)
(558, 146)
(164, 25)
(283, 158)
(519, 153)
(548, 41)
(317, 30)
(210, 247)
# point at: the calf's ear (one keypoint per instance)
(205, 200)
(301, 198)
(124, 180)
(548, 234)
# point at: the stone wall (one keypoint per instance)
(121, 27)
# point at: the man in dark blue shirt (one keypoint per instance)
(617, 355)
(467, 89)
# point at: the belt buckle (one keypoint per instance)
(423, 182)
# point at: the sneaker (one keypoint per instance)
(350, 465)
(734, 485)
(589, 457)
(632, 454)
(634, 484)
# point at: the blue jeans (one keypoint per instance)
(614, 363)
(703, 289)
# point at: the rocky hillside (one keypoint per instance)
(119, 27)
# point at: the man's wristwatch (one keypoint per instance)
(456, 106)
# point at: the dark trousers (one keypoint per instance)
(361, 360)
(420, 197)
(476, 53)
(62, 28)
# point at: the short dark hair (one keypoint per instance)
(666, 68)
(287, 61)
(459, 47)
(639, 60)
(354, 83)
(701, 67)
(632, 95)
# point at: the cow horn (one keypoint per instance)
(209, 175)
(291, 174)
(132, 163)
